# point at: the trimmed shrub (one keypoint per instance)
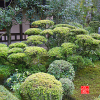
(17, 44)
(89, 29)
(5, 71)
(78, 25)
(33, 31)
(95, 36)
(68, 86)
(55, 52)
(3, 45)
(68, 49)
(43, 23)
(61, 69)
(6, 95)
(76, 61)
(35, 51)
(94, 25)
(15, 50)
(36, 39)
(41, 86)
(64, 25)
(79, 31)
(17, 58)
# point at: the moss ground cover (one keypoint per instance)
(88, 76)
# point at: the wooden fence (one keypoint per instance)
(14, 37)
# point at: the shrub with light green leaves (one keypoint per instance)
(36, 39)
(55, 52)
(17, 44)
(61, 69)
(15, 50)
(43, 23)
(76, 61)
(41, 86)
(86, 44)
(95, 36)
(3, 45)
(64, 25)
(79, 31)
(68, 86)
(78, 25)
(35, 51)
(5, 71)
(89, 29)
(33, 31)
(68, 49)
(16, 58)
(6, 95)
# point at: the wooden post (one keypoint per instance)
(21, 32)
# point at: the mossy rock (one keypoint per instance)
(41, 86)
(17, 45)
(33, 31)
(6, 95)
(3, 45)
(43, 23)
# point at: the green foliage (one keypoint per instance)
(43, 23)
(35, 51)
(86, 44)
(68, 49)
(76, 61)
(33, 31)
(95, 36)
(78, 25)
(36, 39)
(64, 25)
(55, 52)
(15, 50)
(16, 58)
(3, 45)
(61, 69)
(94, 25)
(68, 86)
(89, 29)
(17, 44)
(47, 31)
(5, 71)
(6, 95)
(41, 86)
(79, 31)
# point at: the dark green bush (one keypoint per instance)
(61, 69)
(41, 86)
(55, 52)
(68, 86)
(5, 71)
(17, 44)
(15, 50)
(78, 25)
(36, 39)
(3, 45)
(43, 23)
(33, 31)
(6, 95)
(94, 25)
(76, 61)
(89, 29)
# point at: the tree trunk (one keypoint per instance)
(8, 36)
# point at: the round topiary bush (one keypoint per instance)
(76, 61)
(17, 44)
(6, 95)
(35, 51)
(36, 39)
(78, 25)
(33, 31)
(95, 36)
(55, 52)
(61, 69)
(68, 86)
(41, 86)
(3, 45)
(15, 50)
(43, 23)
